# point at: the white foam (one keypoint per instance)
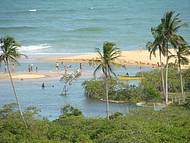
(34, 47)
(60, 53)
(91, 8)
(32, 10)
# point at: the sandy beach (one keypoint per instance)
(127, 58)
(28, 76)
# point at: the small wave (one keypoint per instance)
(91, 8)
(34, 47)
(60, 54)
(7, 28)
(32, 10)
(88, 29)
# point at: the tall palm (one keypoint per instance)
(157, 44)
(182, 51)
(106, 58)
(170, 24)
(9, 54)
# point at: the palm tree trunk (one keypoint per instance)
(107, 99)
(14, 91)
(107, 92)
(181, 80)
(166, 84)
(162, 74)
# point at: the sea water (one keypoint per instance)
(70, 27)
(77, 26)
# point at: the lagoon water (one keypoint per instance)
(50, 101)
(51, 27)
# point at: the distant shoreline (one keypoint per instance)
(127, 58)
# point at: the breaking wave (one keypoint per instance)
(34, 47)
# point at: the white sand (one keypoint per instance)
(137, 57)
(22, 76)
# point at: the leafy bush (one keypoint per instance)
(169, 125)
(186, 75)
(120, 91)
(187, 103)
(150, 93)
(96, 88)
(153, 78)
(68, 110)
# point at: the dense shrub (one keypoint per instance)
(171, 125)
(153, 78)
(96, 88)
(186, 75)
(68, 110)
(120, 91)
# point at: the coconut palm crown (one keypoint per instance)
(9, 52)
(106, 58)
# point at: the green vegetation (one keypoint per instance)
(142, 126)
(148, 90)
(118, 91)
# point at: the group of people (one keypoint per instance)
(30, 68)
(58, 68)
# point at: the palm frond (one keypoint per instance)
(95, 71)
(110, 69)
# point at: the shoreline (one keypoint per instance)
(138, 104)
(127, 58)
(114, 101)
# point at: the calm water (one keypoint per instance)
(49, 99)
(50, 27)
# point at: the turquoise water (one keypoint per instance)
(67, 27)
(51, 26)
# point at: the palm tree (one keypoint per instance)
(110, 53)
(157, 44)
(170, 24)
(9, 54)
(182, 51)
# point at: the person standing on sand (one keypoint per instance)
(36, 69)
(31, 67)
(13, 67)
(28, 68)
(57, 66)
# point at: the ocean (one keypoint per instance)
(78, 26)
